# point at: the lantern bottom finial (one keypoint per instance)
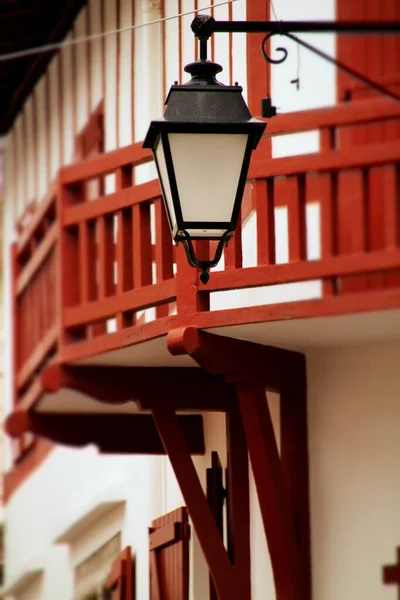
(204, 265)
(204, 276)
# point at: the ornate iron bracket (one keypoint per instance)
(203, 26)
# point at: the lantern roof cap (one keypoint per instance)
(205, 102)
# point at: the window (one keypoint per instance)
(91, 574)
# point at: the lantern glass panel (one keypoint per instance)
(207, 170)
(163, 174)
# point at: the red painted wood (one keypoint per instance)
(137, 299)
(124, 247)
(327, 186)
(345, 265)
(111, 433)
(352, 217)
(224, 577)
(294, 460)
(233, 252)
(209, 392)
(169, 556)
(105, 163)
(274, 506)
(391, 574)
(368, 155)
(258, 77)
(238, 498)
(163, 251)
(343, 305)
(120, 580)
(105, 232)
(376, 57)
(265, 204)
(296, 206)
(188, 299)
(215, 499)
(237, 359)
(142, 274)
(356, 113)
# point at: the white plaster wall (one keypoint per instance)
(68, 485)
(354, 436)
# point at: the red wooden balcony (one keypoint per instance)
(98, 281)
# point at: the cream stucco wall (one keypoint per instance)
(354, 436)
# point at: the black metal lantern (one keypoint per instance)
(202, 149)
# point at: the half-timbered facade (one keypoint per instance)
(171, 440)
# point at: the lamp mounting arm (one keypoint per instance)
(204, 26)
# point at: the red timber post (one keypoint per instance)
(281, 482)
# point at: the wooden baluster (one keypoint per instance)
(263, 191)
(352, 222)
(296, 205)
(16, 322)
(233, 252)
(328, 190)
(190, 299)
(142, 254)
(375, 215)
(106, 286)
(391, 211)
(69, 260)
(326, 194)
(124, 258)
(163, 252)
(84, 262)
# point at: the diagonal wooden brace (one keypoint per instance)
(274, 506)
(226, 581)
(282, 483)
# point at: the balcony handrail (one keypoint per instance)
(66, 215)
(104, 164)
(339, 115)
(346, 158)
(42, 210)
(110, 203)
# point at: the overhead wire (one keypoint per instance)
(95, 36)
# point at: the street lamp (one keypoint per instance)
(202, 149)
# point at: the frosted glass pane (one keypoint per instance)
(207, 170)
(162, 167)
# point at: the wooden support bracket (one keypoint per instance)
(281, 481)
(144, 385)
(111, 433)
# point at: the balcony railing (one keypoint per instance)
(96, 270)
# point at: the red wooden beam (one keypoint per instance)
(239, 360)
(224, 577)
(148, 385)
(354, 113)
(303, 270)
(238, 495)
(346, 158)
(275, 509)
(283, 496)
(111, 433)
(103, 164)
(295, 469)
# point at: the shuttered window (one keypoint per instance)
(169, 556)
(119, 585)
